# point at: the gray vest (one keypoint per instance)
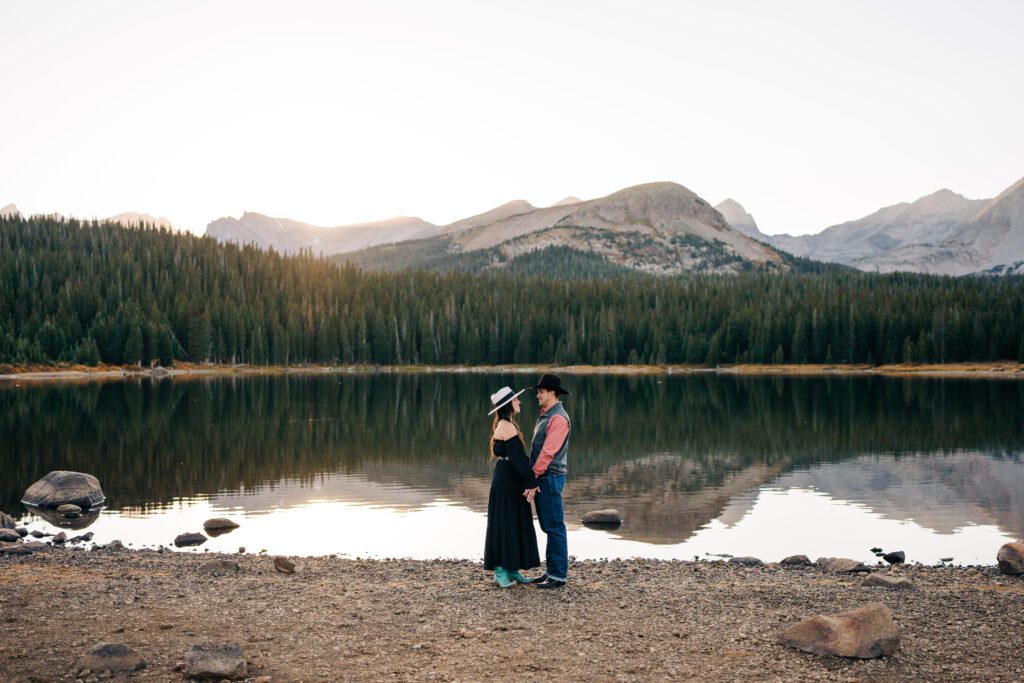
(540, 432)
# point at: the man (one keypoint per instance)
(547, 458)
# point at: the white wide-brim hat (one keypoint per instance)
(502, 396)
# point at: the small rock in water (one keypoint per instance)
(1011, 558)
(886, 581)
(897, 557)
(796, 561)
(864, 633)
(115, 545)
(209, 661)
(284, 565)
(187, 539)
(607, 517)
(945, 559)
(37, 534)
(60, 538)
(21, 531)
(746, 561)
(69, 510)
(876, 550)
(842, 565)
(110, 658)
(219, 525)
(241, 550)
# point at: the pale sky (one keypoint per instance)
(807, 113)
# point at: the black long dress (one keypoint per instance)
(511, 542)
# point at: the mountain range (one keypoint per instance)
(660, 228)
(942, 233)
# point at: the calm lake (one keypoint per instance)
(396, 465)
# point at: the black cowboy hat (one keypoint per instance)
(551, 383)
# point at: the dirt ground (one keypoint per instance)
(340, 619)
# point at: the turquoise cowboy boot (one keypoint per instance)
(502, 579)
(519, 578)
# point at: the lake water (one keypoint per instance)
(396, 465)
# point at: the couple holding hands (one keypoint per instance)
(521, 478)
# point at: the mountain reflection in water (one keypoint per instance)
(688, 460)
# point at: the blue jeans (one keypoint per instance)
(552, 523)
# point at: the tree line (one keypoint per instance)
(92, 292)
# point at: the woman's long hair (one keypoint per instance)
(506, 412)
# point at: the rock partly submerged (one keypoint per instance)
(1011, 558)
(746, 561)
(796, 561)
(65, 488)
(864, 633)
(608, 517)
(190, 538)
(219, 525)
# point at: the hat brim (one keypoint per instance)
(559, 391)
(505, 402)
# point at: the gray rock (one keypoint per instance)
(37, 534)
(19, 549)
(842, 565)
(898, 557)
(864, 633)
(1011, 558)
(606, 517)
(210, 661)
(84, 538)
(60, 538)
(60, 487)
(189, 539)
(887, 581)
(746, 561)
(111, 657)
(217, 567)
(284, 565)
(69, 510)
(9, 536)
(6, 521)
(221, 524)
(796, 561)
(115, 545)
(22, 531)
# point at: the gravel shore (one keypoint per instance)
(341, 619)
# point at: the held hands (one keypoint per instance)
(530, 493)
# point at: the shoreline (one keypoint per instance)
(77, 373)
(444, 620)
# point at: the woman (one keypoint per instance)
(511, 542)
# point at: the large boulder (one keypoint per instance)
(607, 517)
(864, 633)
(796, 561)
(210, 661)
(6, 521)
(1011, 558)
(60, 488)
(113, 657)
(842, 565)
(9, 536)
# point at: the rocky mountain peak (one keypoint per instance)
(737, 217)
(9, 210)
